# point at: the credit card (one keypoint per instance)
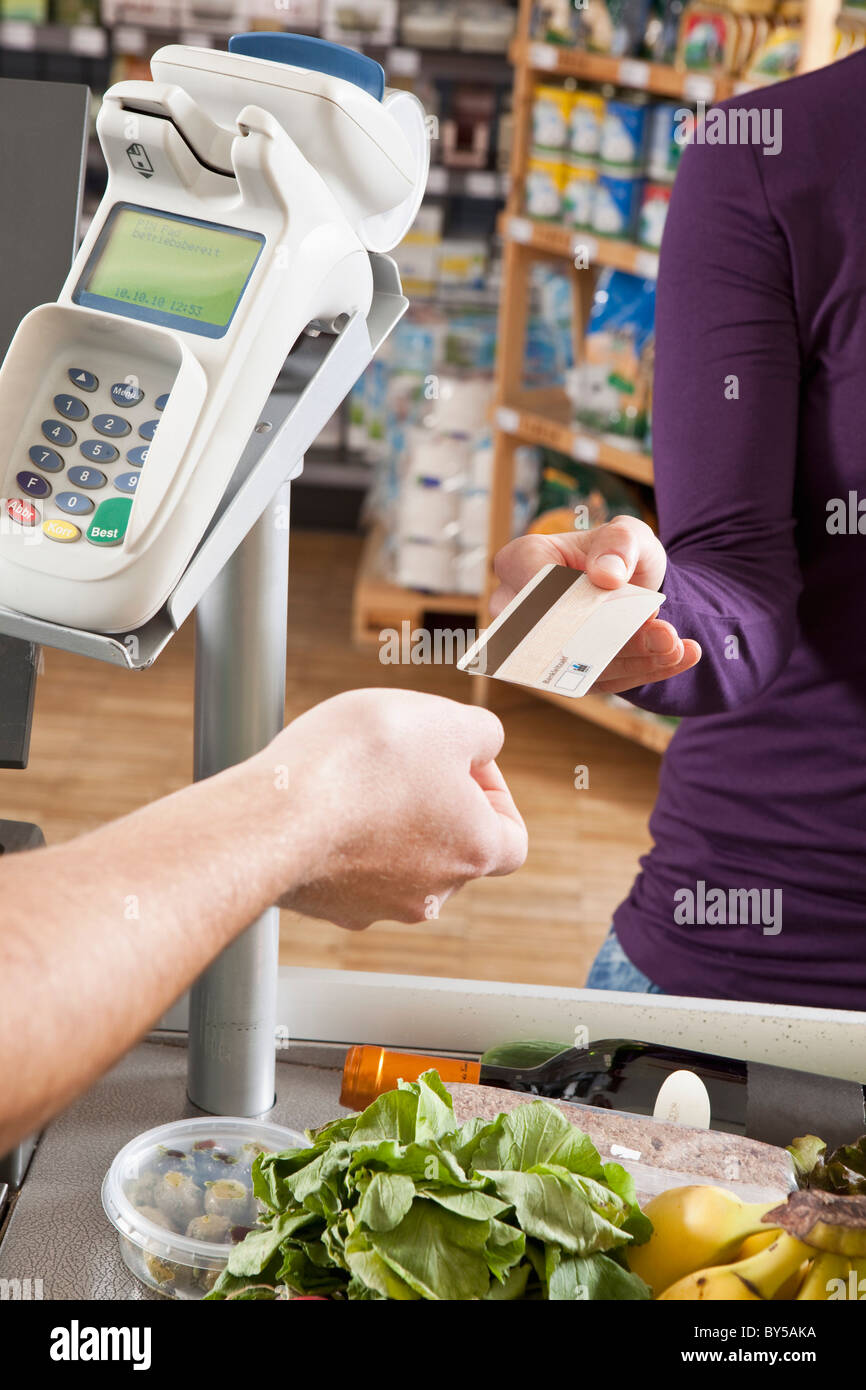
(560, 632)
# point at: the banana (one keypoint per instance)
(752, 1245)
(817, 1285)
(758, 1277)
(693, 1227)
(791, 1286)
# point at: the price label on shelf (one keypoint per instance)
(543, 55)
(128, 39)
(404, 62)
(481, 183)
(584, 448)
(633, 73)
(520, 229)
(507, 420)
(17, 33)
(646, 263)
(88, 40)
(698, 86)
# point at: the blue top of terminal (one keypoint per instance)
(305, 51)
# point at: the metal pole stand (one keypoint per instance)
(240, 689)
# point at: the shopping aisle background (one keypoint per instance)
(106, 741)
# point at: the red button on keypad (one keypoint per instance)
(23, 512)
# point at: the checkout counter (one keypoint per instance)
(56, 1230)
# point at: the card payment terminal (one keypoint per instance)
(245, 192)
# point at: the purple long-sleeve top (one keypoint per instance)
(760, 464)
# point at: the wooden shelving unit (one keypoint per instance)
(542, 417)
(566, 243)
(547, 59)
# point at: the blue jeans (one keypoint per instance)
(612, 969)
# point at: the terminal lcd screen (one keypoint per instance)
(174, 271)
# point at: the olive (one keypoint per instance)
(178, 1198)
(171, 1161)
(228, 1198)
(212, 1163)
(161, 1271)
(210, 1228)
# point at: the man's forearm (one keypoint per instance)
(99, 936)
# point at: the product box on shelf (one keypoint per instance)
(485, 26)
(426, 24)
(363, 22)
(610, 386)
(417, 256)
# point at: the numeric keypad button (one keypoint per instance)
(75, 503)
(87, 477)
(46, 459)
(113, 425)
(57, 433)
(71, 408)
(99, 451)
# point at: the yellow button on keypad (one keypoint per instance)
(57, 530)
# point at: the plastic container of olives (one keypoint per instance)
(180, 1197)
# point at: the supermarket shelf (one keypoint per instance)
(443, 64)
(621, 718)
(623, 72)
(553, 239)
(84, 40)
(451, 65)
(378, 604)
(553, 430)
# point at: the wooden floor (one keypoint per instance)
(106, 741)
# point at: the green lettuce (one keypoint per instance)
(402, 1203)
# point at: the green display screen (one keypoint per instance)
(169, 270)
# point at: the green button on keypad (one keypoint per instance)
(108, 527)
